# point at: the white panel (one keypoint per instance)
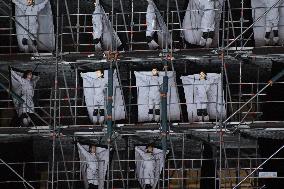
(142, 158)
(119, 105)
(214, 95)
(143, 97)
(109, 37)
(192, 22)
(259, 8)
(45, 30)
(87, 161)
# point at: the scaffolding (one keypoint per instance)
(62, 112)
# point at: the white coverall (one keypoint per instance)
(208, 17)
(155, 23)
(99, 85)
(207, 21)
(102, 29)
(95, 165)
(25, 89)
(31, 17)
(205, 9)
(154, 99)
(272, 17)
(154, 92)
(200, 94)
(148, 166)
(100, 95)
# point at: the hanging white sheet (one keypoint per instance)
(93, 168)
(258, 9)
(156, 23)
(102, 28)
(143, 90)
(45, 29)
(214, 96)
(198, 18)
(24, 89)
(148, 166)
(89, 92)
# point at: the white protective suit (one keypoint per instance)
(155, 23)
(272, 17)
(148, 165)
(200, 93)
(93, 166)
(144, 99)
(200, 15)
(154, 98)
(25, 89)
(214, 97)
(201, 99)
(99, 90)
(31, 18)
(103, 31)
(92, 86)
(270, 26)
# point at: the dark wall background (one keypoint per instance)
(266, 148)
(17, 151)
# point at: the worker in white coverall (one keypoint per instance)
(93, 168)
(148, 165)
(156, 24)
(201, 87)
(94, 164)
(26, 85)
(30, 10)
(207, 22)
(271, 21)
(98, 84)
(154, 99)
(104, 36)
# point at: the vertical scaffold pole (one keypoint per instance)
(164, 114)
(55, 97)
(111, 57)
(164, 117)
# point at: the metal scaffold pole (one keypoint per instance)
(111, 57)
(164, 115)
(55, 97)
(270, 82)
(110, 98)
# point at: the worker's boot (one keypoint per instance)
(202, 42)
(101, 116)
(209, 39)
(92, 186)
(26, 120)
(153, 45)
(97, 42)
(148, 186)
(151, 114)
(157, 115)
(275, 37)
(25, 41)
(34, 43)
(267, 38)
